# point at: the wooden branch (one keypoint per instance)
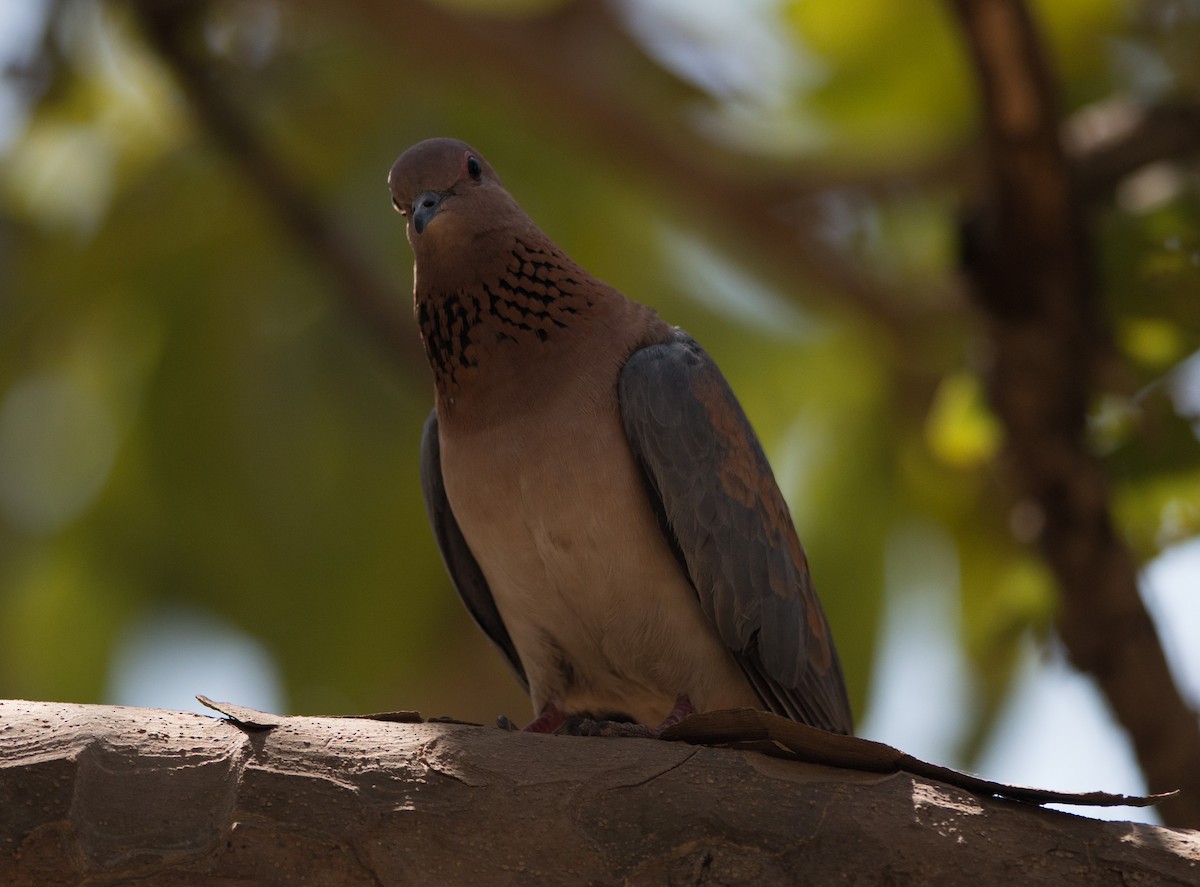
(1029, 262)
(107, 795)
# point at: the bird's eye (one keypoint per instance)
(474, 167)
(398, 207)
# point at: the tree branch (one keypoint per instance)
(1133, 138)
(580, 74)
(1029, 263)
(171, 29)
(569, 66)
(107, 795)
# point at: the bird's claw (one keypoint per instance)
(583, 726)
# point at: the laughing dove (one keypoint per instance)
(599, 497)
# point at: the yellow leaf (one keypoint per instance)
(1151, 341)
(960, 430)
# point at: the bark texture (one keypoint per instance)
(103, 795)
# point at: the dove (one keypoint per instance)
(599, 498)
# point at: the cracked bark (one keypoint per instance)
(107, 795)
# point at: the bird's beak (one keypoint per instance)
(424, 208)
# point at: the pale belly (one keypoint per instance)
(600, 611)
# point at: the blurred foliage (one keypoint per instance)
(192, 415)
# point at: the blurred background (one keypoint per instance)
(211, 389)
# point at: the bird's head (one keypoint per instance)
(450, 196)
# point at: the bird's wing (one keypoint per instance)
(460, 563)
(723, 514)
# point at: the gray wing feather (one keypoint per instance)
(717, 500)
(460, 563)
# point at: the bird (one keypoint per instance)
(599, 498)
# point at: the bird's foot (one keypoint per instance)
(581, 725)
(585, 726)
(683, 708)
(549, 721)
(552, 719)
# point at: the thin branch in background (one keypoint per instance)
(540, 59)
(1030, 262)
(580, 74)
(1126, 138)
(170, 28)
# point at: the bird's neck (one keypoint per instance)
(509, 311)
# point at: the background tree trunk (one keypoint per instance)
(1030, 265)
(105, 794)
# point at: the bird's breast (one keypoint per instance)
(557, 515)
